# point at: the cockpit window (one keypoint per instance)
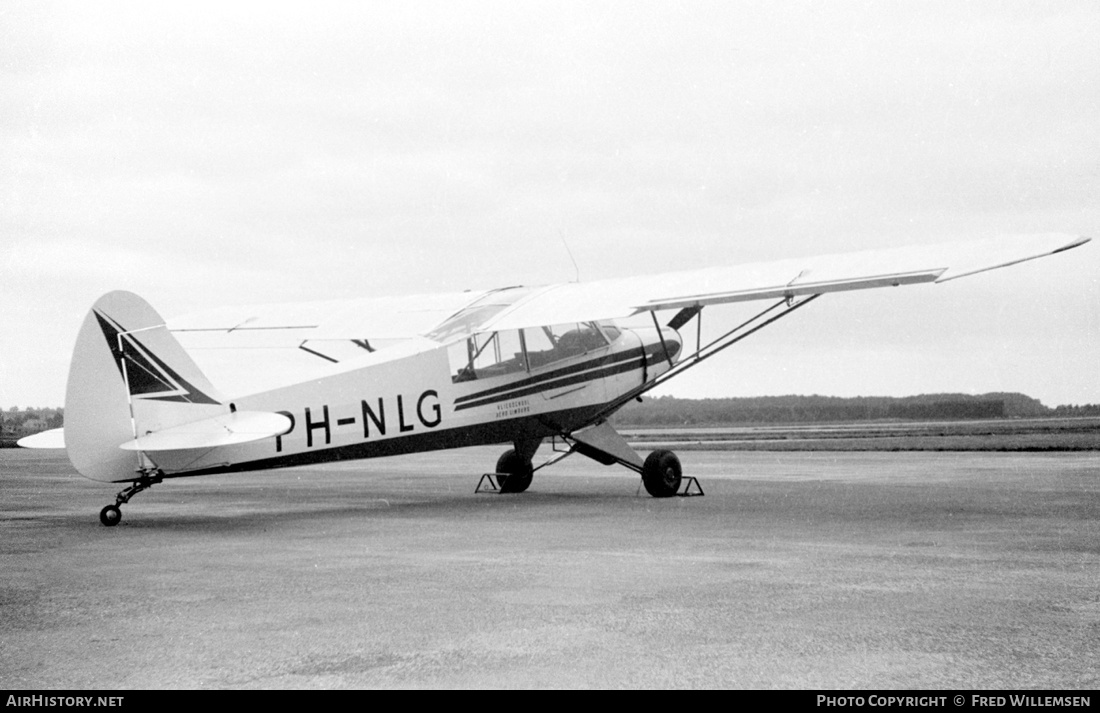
(469, 318)
(610, 331)
(546, 345)
(483, 356)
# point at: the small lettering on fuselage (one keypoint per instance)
(376, 416)
(508, 409)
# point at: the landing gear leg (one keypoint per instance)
(112, 514)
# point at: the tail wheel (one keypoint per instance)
(513, 472)
(110, 515)
(661, 474)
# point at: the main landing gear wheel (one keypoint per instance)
(514, 474)
(661, 474)
(110, 515)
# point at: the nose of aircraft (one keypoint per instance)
(658, 344)
(672, 344)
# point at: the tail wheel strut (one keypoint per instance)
(112, 514)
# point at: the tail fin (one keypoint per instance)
(129, 376)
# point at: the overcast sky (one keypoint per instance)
(200, 154)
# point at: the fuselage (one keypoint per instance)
(421, 395)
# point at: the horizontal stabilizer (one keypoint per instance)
(225, 430)
(54, 438)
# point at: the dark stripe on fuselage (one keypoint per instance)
(627, 355)
(591, 370)
(503, 431)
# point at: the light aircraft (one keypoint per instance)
(361, 378)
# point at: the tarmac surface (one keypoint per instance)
(796, 570)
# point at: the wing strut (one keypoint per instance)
(660, 472)
(661, 336)
(702, 353)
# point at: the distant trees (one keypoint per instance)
(14, 424)
(672, 411)
(1070, 411)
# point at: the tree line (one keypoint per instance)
(673, 411)
(16, 423)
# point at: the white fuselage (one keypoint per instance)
(409, 399)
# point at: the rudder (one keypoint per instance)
(129, 376)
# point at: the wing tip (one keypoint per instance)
(1034, 253)
(1078, 242)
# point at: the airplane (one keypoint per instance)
(362, 378)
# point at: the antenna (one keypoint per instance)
(576, 270)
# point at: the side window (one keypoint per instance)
(546, 345)
(484, 356)
(540, 346)
(609, 330)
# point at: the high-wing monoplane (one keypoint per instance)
(361, 378)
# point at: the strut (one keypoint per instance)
(112, 514)
(703, 352)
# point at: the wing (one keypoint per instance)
(609, 299)
(288, 323)
(261, 347)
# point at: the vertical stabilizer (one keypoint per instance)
(129, 377)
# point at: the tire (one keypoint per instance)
(110, 515)
(513, 473)
(662, 474)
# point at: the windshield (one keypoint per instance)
(469, 318)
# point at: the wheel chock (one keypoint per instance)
(689, 481)
(492, 487)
